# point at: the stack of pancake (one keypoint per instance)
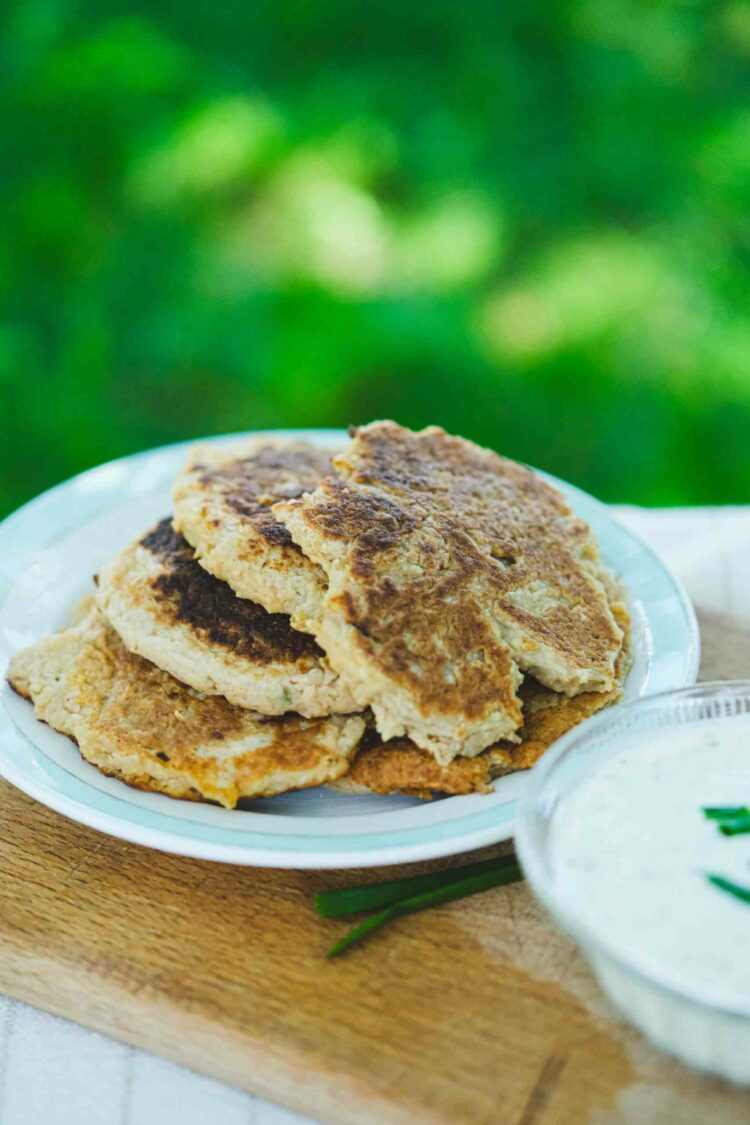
(413, 614)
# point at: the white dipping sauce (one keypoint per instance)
(631, 848)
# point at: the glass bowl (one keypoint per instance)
(707, 1027)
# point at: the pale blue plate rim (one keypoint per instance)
(673, 662)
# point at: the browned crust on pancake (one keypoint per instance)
(188, 593)
(145, 784)
(250, 485)
(548, 715)
(498, 519)
(222, 505)
(418, 633)
(137, 697)
(449, 567)
(136, 722)
(134, 697)
(399, 766)
(142, 782)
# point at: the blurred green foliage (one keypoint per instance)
(527, 221)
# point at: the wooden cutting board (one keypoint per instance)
(476, 1012)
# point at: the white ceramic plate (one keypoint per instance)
(49, 550)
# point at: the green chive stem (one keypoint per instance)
(459, 888)
(361, 931)
(740, 892)
(735, 827)
(374, 896)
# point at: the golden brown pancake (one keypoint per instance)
(222, 505)
(549, 715)
(166, 607)
(399, 766)
(136, 722)
(449, 568)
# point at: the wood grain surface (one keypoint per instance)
(476, 1012)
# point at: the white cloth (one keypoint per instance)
(55, 1073)
(708, 548)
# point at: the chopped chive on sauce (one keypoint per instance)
(735, 827)
(734, 889)
(730, 820)
(725, 812)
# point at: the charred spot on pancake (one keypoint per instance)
(213, 610)
(274, 533)
(373, 524)
(164, 541)
(250, 485)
